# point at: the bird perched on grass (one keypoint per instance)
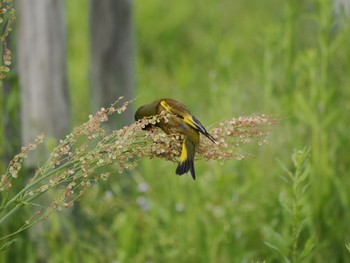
(182, 122)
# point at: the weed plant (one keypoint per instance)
(221, 58)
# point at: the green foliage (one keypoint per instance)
(295, 213)
(223, 58)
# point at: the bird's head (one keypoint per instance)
(147, 110)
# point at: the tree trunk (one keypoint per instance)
(342, 6)
(112, 70)
(41, 46)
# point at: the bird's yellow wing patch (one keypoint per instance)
(165, 105)
(188, 119)
(183, 114)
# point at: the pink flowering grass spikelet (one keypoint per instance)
(90, 154)
(7, 18)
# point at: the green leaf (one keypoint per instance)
(284, 168)
(348, 246)
(278, 243)
(272, 246)
(304, 174)
(309, 246)
(277, 249)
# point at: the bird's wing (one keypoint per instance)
(181, 111)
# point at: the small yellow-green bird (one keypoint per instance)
(182, 122)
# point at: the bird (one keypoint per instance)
(181, 121)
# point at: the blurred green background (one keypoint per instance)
(223, 59)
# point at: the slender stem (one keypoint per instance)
(10, 213)
(34, 183)
(2, 126)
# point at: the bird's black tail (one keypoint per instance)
(187, 159)
(184, 167)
